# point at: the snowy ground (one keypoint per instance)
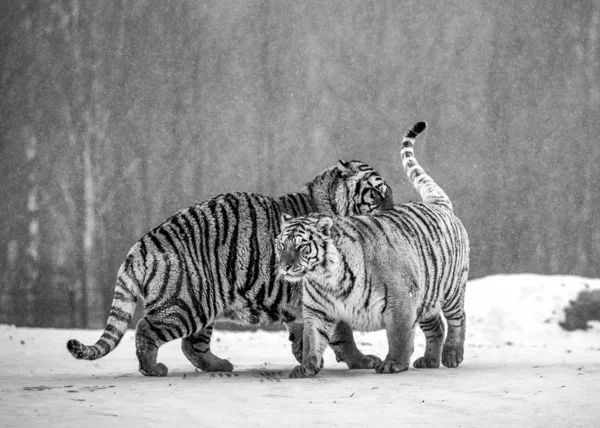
(520, 369)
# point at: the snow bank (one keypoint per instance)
(525, 310)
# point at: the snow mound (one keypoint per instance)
(525, 310)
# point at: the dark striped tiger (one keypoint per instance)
(216, 259)
(394, 269)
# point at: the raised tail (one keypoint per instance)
(430, 192)
(123, 307)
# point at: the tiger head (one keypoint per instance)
(304, 247)
(350, 188)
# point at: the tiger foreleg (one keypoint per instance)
(433, 329)
(399, 320)
(316, 337)
(196, 348)
(344, 347)
(296, 331)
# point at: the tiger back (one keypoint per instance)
(393, 270)
(216, 259)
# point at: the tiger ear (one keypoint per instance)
(285, 218)
(324, 226)
(343, 164)
(347, 168)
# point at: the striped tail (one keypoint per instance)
(123, 307)
(430, 192)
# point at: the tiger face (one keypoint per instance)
(350, 188)
(364, 191)
(304, 246)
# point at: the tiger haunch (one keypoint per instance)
(216, 259)
(393, 269)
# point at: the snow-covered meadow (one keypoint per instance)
(520, 369)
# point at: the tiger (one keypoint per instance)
(393, 269)
(216, 259)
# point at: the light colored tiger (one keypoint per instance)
(217, 259)
(393, 269)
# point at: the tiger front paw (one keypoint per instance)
(389, 366)
(426, 363)
(302, 372)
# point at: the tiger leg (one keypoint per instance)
(453, 351)
(316, 334)
(196, 348)
(433, 329)
(344, 347)
(454, 312)
(296, 330)
(150, 335)
(400, 321)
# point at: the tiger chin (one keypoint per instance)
(216, 259)
(391, 270)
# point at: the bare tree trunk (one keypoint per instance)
(267, 173)
(32, 245)
(9, 279)
(94, 300)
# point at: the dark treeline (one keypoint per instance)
(114, 115)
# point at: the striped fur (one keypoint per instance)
(216, 259)
(394, 269)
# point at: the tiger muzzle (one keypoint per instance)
(289, 264)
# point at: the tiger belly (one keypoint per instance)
(256, 314)
(359, 317)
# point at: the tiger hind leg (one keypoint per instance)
(453, 351)
(344, 347)
(196, 348)
(433, 329)
(149, 337)
(454, 312)
(400, 329)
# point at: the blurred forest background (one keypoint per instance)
(115, 115)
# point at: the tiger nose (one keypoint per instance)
(286, 267)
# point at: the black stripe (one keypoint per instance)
(150, 277)
(346, 290)
(232, 253)
(143, 250)
(323, 333)
(218, 292)
(254, 249)
(106, 347)
(111, 329)
(224, 216)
